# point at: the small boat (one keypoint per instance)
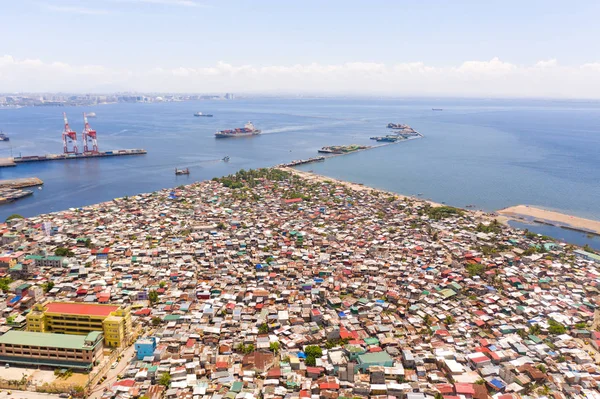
(436, 109)
(201, 114)
(226, 158)
(4, 137)
(91, 115)
(39, 188)
(185, 171)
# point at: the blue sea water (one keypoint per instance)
(489, 153)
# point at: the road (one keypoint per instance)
(596, 323)
(112, 374)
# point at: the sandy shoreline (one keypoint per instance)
(310, 176)
(530, 213)
(518, 213)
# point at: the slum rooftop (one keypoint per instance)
(238, 280)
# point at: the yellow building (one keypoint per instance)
(81, 319)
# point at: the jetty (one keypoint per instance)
(21, 182)
(7, 162)
(301, 162)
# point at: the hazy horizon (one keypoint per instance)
(386, 48)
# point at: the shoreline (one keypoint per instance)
(310, 176)
(531, 214)
(521, 213)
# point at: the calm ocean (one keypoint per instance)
(489, 153)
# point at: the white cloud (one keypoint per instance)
(547, 63)
(76, 10)
(546, 78)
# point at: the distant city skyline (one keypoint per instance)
(394, 48)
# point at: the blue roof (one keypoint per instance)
(15, 299)
(497, 383)
(342, 314)
(301, 355)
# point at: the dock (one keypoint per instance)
(301, 162)
(7, 162)
(67, 157)
(21, 183)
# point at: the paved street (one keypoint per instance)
(112, 374)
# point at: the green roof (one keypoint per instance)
(46, 339)
(447, 293)
(375, 357)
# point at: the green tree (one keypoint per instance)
(14, 216)
(476, 269)
(312, 353)
(61, 251)
(541, 367)
(535, 329)
(47, 286)
(156, 320)
(274, 347)
(587, 248)
(449, 320)
(162, 284)
(5, 283)
(581, 325)
(165, 379)
(556, 328)
(438, 395)
(153, 297)
(263, 328)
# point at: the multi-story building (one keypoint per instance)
(56, 350)
(145, 347)
(82, 318)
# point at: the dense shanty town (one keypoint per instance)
(267, 284)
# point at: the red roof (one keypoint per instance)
(462, 388)
(292, 200)
(80, 308)
(329, 385)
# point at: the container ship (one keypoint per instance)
(201, 114)
(247, 130)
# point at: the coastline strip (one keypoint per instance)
(538, 215)
(310, 176)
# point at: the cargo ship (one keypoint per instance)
(185, 171)
(201, 114)
(247, 130)
(4, 137)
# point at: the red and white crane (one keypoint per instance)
(89, 135)
(69, 137)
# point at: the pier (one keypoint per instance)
(354, 149)
(66, 157)
(21, 183)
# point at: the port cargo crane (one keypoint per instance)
(89, 134)
(69, 137)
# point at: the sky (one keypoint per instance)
(458, 48)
